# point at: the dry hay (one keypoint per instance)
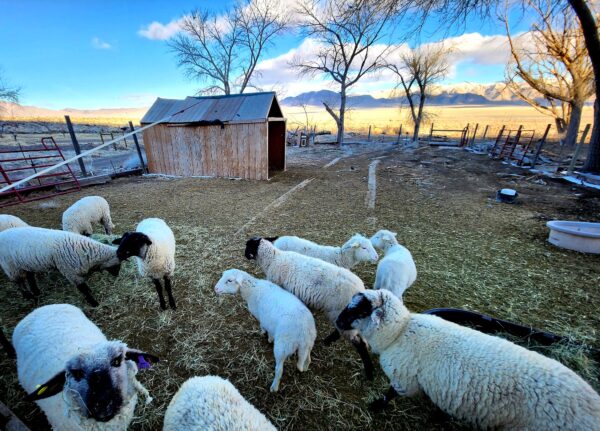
(470, 252)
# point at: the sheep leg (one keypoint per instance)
(107, 228)
(169, 292)
(331, 338)
(20, 282)
(381, 403)
(32, 283)
(159, 291)
(303, 358)
(360, 345)
(280, 357)
(87, 293)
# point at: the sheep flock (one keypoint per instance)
(81, 379)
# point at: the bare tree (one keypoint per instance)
(552, 61)
(458, 10)
(223, 50)
(417, 70)
(7, 92)
(348, 34)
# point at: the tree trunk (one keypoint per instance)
(592, 42)
(573, 127)
(340, 134)
(418, 118)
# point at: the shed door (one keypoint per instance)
(276, 146)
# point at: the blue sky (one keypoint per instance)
(93, 54)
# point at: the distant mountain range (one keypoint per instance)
(9, 110)
(464, 94)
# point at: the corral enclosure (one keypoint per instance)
(237, 136)
(470, 251)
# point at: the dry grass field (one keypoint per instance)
(470, 251)
(387, 120)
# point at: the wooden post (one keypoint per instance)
(137, 146)
(540, 145)
(75, 145)
(578, 149)
(399, 134)
(485, 132)
(430, 134)
(369, 137)
(474, 133)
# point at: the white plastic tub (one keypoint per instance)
(575, 235)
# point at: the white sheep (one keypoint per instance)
(28, 250)
(320, 285)
(7, 221)
(211, 403)
(78, 378)
(79, 217)
(285, 319)
(356, 250)
(396, 271)
(153, 245)
(484, 380)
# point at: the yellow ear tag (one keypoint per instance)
(41, 391)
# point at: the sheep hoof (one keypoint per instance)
(378, 405)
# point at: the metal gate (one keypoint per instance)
(19, 163)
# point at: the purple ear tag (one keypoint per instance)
(142, 364)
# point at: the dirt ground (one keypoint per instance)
(471, 252)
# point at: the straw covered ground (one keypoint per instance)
(471, 252)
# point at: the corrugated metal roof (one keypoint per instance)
(237, 108)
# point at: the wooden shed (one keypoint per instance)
(236, 136)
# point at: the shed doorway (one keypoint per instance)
(276, 147)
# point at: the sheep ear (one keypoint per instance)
(272, 238)
(376, 316)
(143, 360)
(51, 387)
(355, 244)
(117, 241)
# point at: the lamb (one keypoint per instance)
(7, 221)
(284, 318)
(27, 250)
(153, 244)
(357, 249)
(79, 217)
(396, 271)
(484, 380)
(211, 403)
(319, 284)
(77, 377)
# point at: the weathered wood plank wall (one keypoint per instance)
(237, 150)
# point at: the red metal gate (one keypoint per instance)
(19, 163)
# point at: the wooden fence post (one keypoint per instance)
(578, 149)
(485, 132)
(369, 137)
(540, 145)
(76, 145)
(399, 134)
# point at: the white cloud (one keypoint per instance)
(159, 31)
(100, 44)
(473, 49)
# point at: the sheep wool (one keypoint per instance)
(35, 249)
(285, 319)
(78, 218)
(45, 341)
(396, 271)
(319, 284)
(481, 379)
(7, 221)
(211, 403)
(356, 250)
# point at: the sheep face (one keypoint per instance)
(383, 239)
(97, 382)
(132, 244)
(229, 283)
(252, 244)
(363, 249)
(364, 310)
